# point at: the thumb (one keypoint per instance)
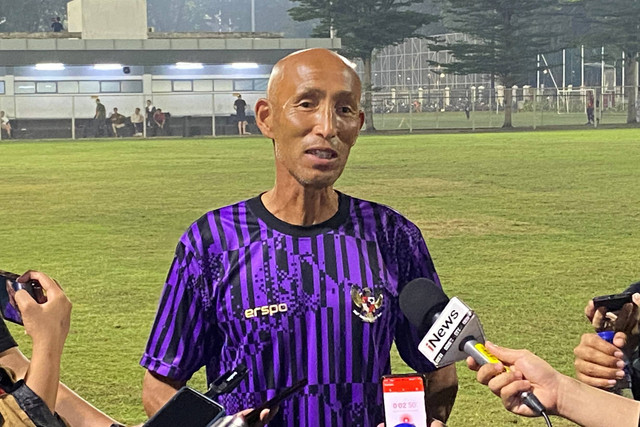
(23, 300)
(506, 355)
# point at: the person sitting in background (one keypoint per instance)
(159, 119)
(117, 121)
(560, 395)
(136, 120)
(5, 124)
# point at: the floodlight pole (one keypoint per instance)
(582, 64)
(253, 16)
(564, 68)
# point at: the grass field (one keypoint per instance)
(524, 227)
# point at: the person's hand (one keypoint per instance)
(434, 423)
(599, 363)
(265, 416)
(624, 320)
(47, 323)
(527, 372)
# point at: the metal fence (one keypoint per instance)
(479, 107)
(70, 116)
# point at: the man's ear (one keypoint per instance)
(264, 117)
(361, 115)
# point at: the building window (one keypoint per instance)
(260, 84)
(109, 87)
(46, 87)
(243, 85)
(182, 86)
(131, 86)
(203, 85)
(223, 85)
(25, 87)
(161, 86)
(89, 87)
(1, 87)
(68, 87)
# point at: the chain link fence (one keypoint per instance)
(479, 107)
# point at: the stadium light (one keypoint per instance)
(244, 65)
(189, 66)
(107, 67)
(50, 66)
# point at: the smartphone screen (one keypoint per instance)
(404, 401)
(8, 288)
(187, 404)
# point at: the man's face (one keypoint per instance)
(315, 119)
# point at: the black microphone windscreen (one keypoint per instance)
(420, 300)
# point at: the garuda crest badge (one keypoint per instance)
(366, 304)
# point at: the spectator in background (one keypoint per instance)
(159, 118)
(136, 120)
(99, 119)
(590, 116)
(57, 25)
(150, 111)
(5, 124)
(117, 122)
(240, 105)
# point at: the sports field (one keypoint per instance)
(524, 227)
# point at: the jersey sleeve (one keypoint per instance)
(177, 346)
(414, 262)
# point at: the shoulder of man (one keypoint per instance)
(205, 232)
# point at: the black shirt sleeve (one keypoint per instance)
(634, 359)
(6, 340)
(633, 288)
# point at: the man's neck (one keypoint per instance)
(301, 205)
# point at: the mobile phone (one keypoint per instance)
(404, 400)
(612, 302)
(271, 404)
(187, 406)
(9, 285)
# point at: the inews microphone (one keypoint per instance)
(451, 330)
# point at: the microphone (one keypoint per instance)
(451, 329)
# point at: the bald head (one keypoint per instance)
(304, 62)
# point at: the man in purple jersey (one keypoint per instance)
(301, 281)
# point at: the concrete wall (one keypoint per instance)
(108, 19)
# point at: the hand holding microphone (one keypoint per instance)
(526, 372)
(451, 331)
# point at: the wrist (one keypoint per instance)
(565, 388)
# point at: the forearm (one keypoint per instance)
(589, 406)
(442, 389)
(78, 412)
(156, 391)
(43, 374)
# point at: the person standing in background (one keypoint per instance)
(240, 105)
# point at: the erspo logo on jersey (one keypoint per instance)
(266, 310)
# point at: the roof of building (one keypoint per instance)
(20, 49)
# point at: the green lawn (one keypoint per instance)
(524, 227)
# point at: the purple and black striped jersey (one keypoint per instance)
(293, 302)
